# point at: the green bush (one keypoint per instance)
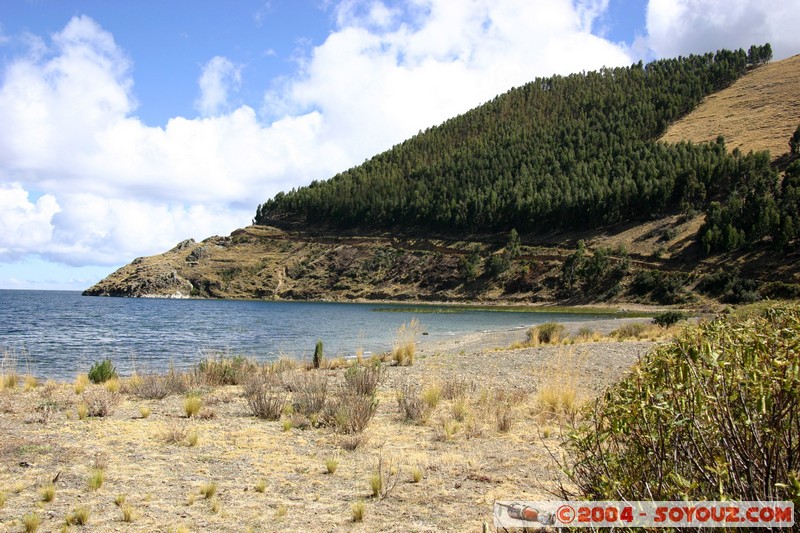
(711, 416)
(669, 318)
(102, 371)
(318, 356)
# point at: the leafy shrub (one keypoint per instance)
(102, 371)
(266, 396)
(782, 291)
(695, 416)
(729, 287)
(662, 287)
(669, 318)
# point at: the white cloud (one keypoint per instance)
(115, 188)
(681, 27)
(220, 77)
(24, 224)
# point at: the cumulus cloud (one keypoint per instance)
(682, 27)
(220, 77)
(23, 223)
(114, 188)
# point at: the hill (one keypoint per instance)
(757, 112)
(568, 189)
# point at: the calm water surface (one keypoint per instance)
(56, 334)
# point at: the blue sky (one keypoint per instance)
(129, 126)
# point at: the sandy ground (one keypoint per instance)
(463, 473)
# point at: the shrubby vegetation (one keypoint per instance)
(711, 416)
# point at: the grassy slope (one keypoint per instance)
(757, 112)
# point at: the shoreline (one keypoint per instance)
(487, 442)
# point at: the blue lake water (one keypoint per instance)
(56, 334)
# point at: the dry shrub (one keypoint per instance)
(218, 369)
(412, 406)
(634, 330)
(284, 364)
(44, 412)
(457, 387)
(100, 402)
(310, 390)
(364, 379)
(152, 386)
(547, 333)
(352, 442)
(177, 433)
(350, 413)
(586, 334)
(405, 344)
(266, 396)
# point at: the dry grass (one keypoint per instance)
(47, 492)
(757, 112)
(79, 516)
(357, 510)
(559, 382)
(207, 490)
(31, 522)
(81, 381)
(9, 377)
(192, 405)
(458, 457)
(405, 344)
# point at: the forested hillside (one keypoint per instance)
(558, 153)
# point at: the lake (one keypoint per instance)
(57, 334)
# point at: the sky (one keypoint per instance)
(129, 126)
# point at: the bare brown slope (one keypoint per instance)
(758, 112)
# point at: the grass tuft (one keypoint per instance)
(416, 474)
(261, 486)
(192, 405)
(405, 344)
(144, 411)
(128, 514)
(78, 517)
(81, 381)
(97, 479)
(208, 490)
(83, 410)
(331, 464)
(357, 509)
(113, 385)
(48, 492)
(431, 395)
(31, 522)
(30, 383)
